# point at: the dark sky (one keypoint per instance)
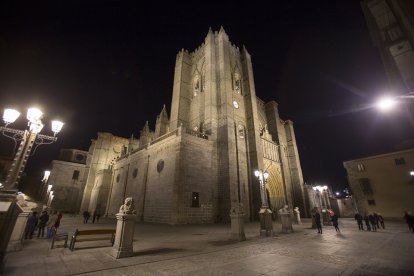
(109, 66)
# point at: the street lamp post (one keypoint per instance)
(28, 139)
(265, 214)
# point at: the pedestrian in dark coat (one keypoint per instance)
(57, 223)
(334, 219)
(373, 222)
(366, 219)
(410, 220)
(381, 221)
(44, 217)
(31, 226)
(86, 216)
(318, 222)
(358, 218)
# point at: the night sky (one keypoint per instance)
(109, 65)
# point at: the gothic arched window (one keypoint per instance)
(237, 83)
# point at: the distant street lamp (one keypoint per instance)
(265, 214)
(27, 138)
(43, 191)
(388, 103)
(323, 202)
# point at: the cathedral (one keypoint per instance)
(199, 160)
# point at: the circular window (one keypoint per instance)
(160, 165)
(135, 173)
(117, 178)
(235, 104)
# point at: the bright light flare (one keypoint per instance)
(57, 126)
(10, 115)
(386, 104)
(34, 115)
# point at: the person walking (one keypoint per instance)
(318, 222)
(31, 226)
(373, 222)
(410, 220)
(44, 217)
(358, 218)
(334, 219)
(381, 220)
(57, 223)
(366, 219)
(50, 225)
(86, 216)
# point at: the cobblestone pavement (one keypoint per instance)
(207, 250)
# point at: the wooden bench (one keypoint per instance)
(92, 235)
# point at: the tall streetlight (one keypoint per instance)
(27, 138)
(265, 214)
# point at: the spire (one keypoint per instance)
(146, 128)
(222, 32)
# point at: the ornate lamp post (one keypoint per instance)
(28, 139)
(265, 214)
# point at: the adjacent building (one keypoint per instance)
(391, 25)
(383, 183)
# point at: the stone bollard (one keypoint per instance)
(286, 219)
(237, 223)
(123, 245)
(266, 223)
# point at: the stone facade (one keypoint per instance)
(383, 183)
(67, 178)
(199, 162)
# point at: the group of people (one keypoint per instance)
(373, 221)
(87, 215)
(50, 222)
(317, 217)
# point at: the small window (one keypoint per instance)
(371, 202)
(365, 185)
(195, 200)
(117, 178)
(361, 167)
(399, 161)
(75, 175)
(135, 173)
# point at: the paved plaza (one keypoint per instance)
(206, 250)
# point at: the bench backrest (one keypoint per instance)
(95, 232)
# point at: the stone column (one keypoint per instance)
(123, 245)
(237, 223)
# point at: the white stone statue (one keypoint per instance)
(128, 208)
(297, 215)
(21, 201)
